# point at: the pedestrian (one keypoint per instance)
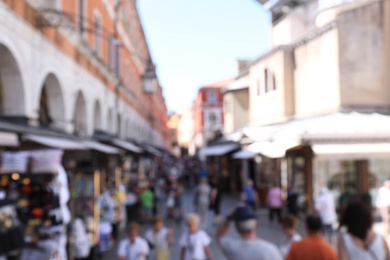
(289, 226)
(177, 189)
(159, 239)
(247, 246)
(325, 207)
(275, 202)
(313, 246)
(133, 247)
(147, 200)
(195, 244)
(202, 198)
(382, 204)
(292, 202)
(216, 198)
(360, 242)
(250, 196)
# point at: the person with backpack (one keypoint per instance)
(250, 196)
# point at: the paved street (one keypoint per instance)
(268, 231)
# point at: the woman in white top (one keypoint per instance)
(195, 244)
(202, 196)
(289, 226)
(360, 242)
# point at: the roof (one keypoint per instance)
(219, 84)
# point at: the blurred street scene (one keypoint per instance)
(251, 129)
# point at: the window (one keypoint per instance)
(114, 57)
(266, 80)
(212, 97)
(57, 4)
(98, 34)
(212, 120)
(81, 15)
(269, 81)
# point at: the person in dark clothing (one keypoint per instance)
(216, 198)
(292, 202)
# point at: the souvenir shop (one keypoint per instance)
(34, 212)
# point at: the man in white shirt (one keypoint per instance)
(382, 204)
(133, 247)
(248, 246)
(325, 206)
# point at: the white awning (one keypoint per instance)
(55, 142)
(272, 149)
(8, 139)
(217, 150)
(101, 147)
(351, 151)
(127, 146)
(243, 154)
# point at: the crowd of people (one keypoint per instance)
(353, 239)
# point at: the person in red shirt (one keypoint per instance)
(313, 246)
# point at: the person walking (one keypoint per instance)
(248, 246)
(195, 244)
(133, 247)
(275, 202)
(147, 200)
(382, 204)
(325, 207)
(159, 239)
(250, 196)
(313, 246)
(216, 198)
(360, 242)
(292, 202)
(202, 198)
(289, 226)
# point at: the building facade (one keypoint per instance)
(318, 97)
(208, 112)
(76, 66)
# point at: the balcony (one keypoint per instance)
(329, 4)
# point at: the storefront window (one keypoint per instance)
(379, 171)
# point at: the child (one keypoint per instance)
(289, 226)
(159, 239)
(195, 244)
(147, 199)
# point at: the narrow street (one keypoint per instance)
(269, 231)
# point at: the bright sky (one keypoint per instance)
(196, 42)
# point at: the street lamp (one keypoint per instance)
(149, 78)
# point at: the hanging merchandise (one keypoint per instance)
(14, 162)
(11, 234)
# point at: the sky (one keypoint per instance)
(196, 42)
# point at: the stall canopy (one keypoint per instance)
(243, 154)
(8, 139)
(153, 151)
(272, 149)
(218, 150)
(55, 142)
(101, 147)
(127, 146)
(351, 151)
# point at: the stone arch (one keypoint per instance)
(80, 118)
(97, 117)
(12, 94)
(51, 104)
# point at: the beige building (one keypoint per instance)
(316, 95)
(236, 101)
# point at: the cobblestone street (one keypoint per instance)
(269, 231)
